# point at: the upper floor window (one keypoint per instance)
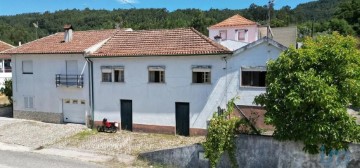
(27, 67)
(156, 74)
(201, 74)
(242, 34)
(112, 74)
(223, 34)
(253, 77)
(106, 74)
(119, 74)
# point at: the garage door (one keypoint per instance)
(74, 111)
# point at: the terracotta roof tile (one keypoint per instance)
(181, 41)
(55, 43)
(235, 20)
(5, 46)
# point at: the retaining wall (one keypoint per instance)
(259, 151)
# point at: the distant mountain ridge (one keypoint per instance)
(20, 27)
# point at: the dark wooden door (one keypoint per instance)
(126, 114)
(182, 111)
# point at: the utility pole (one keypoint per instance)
(36, 25)
(270, 4)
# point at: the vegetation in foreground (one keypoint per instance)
(309, 90)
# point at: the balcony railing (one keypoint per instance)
(69, 80)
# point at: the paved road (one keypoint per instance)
(10, 159)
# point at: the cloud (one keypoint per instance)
(128, 1)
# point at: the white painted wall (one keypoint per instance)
(41, 84)
(154, 103)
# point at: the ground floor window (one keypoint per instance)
(253, 78)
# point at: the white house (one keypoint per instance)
(166, 81)
(50, 76)
(5, 60)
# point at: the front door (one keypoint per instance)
(126, 114)
(182, 111)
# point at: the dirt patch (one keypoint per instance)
(124, 142)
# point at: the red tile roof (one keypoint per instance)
(233, 21)
(181, 41)
(5, 46)
(55, 43)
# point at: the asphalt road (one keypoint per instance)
(10, 159)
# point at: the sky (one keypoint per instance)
(13, 7)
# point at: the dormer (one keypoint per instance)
(235, 28)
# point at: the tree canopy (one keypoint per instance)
(309, 90)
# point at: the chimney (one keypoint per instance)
(19, 43)
(68, 33)
(217, 38)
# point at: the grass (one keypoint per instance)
(84, 134)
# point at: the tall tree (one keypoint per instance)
(309, 90)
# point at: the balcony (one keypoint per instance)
(69, 80)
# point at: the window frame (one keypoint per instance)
(32, 67)
(223, 31)
(121, 73)
(27, 102)
(160, 70)
(204, 70)
(252, 69)
(239, 32)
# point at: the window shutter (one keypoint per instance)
(27, 66)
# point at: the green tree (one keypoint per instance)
(7, 90)
(309, 90)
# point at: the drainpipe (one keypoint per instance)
(91, 90)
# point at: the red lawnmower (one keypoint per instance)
(110, 127)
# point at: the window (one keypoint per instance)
(157, 74)
(201, 74)
(67, 101)
(28, 101)
(106, 74)
(119, 74)
(74, 101)
(223, 34)
(253, 77)
(27, 67)
(241, 34)
(82, 102)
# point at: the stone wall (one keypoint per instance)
(6, 111)
(259, 151)
(40, 116)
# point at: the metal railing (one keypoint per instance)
(69, 80)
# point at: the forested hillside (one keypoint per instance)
(21, 28)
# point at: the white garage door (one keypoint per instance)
(74, 111)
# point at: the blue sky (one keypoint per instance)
(12, 7)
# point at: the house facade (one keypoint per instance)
(51, 74)
(5, 61)
(165, 81)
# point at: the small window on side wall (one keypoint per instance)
(201, 74)
(119, 75)
(241, 34)
(254, 78)
(156, 74)
(27, 67)
(223, 34)
(106, 74)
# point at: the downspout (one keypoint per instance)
(91, 90)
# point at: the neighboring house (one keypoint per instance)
(284, 35)
(5, 60)
(166, 81)
(236, 29)
(51, 76)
